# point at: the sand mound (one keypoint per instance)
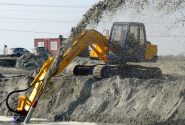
(31, 61)
(114, 100)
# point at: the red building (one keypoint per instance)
(52, 44)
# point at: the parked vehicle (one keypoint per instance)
(17, 51)
(40, 50)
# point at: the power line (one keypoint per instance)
(26, 31)
(45, 20)
(62, 21)
(42, 11)
(72, 21)
(40, 5)
(168, 36)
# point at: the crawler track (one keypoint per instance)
(106, 71)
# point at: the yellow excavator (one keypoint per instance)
(127, 43)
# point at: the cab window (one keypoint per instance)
(20, 49)
(116, 34)
(142, 37)
(134, 34)
(24, 49)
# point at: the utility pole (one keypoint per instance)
(5, 50)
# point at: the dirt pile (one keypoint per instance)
(114, 100)
(30, 61)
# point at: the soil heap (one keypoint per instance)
(111, 100)
(31, 62)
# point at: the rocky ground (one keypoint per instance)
(111, 100)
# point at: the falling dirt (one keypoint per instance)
(94, 14)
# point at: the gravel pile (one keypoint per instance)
(111, 100)
(31, 61)
(114, 100)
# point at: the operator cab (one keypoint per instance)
(127, 40)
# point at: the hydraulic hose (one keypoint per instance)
(16, 91)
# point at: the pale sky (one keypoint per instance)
(18, 18)
(23, 20)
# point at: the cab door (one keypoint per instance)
(141, 48)
(136, 43)
(132, 42)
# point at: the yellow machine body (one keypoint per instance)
(94, 55)
(151, 52)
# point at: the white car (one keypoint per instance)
(17, 51)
